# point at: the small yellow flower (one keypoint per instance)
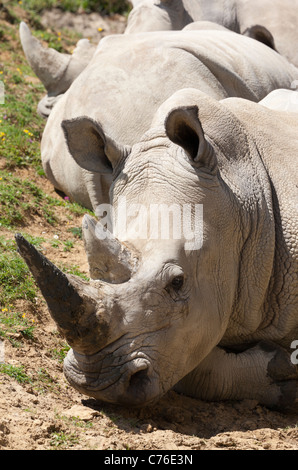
(99, 30)
(4, 310)
(26, 131)
(24, 315)
(1, 72)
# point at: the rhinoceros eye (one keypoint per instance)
(177, 283)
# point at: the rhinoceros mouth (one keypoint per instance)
(131, 382)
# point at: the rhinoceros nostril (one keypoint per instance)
(138, 378)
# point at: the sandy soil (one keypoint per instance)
(48, 414)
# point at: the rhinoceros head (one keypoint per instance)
(166, 281)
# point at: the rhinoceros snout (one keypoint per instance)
(133, 383)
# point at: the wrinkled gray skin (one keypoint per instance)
(217, 321)
(127, 79)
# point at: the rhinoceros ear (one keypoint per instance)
(261, 34)
(89, 146)
(183, 127)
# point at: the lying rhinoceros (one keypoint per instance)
(127, 79)
(273, 22)
(166, 15)
(57, 71)
(213, 311)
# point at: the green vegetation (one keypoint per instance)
(17, 372)
(20, 125)
(40, 380)
(103, 6)
(60, 354)
(15, 281)
(21, 198)
(63, 440)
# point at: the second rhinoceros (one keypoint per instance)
(213, 314)
(126, 81)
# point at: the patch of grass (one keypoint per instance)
(75, 208)
(63, 440)
(10, 245)
(16, 372)
(14, 326)
(68, 245)
(76, 231)
(20, 125)
(21, 198)
(16, 283)
(43, 382)
(15, 280)
(105, 6)
(40, 380)
(60, 354)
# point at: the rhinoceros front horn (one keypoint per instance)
(73, 303)
(48, 64)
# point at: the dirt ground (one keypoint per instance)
(49, 414)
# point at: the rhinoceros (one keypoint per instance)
(57, 71)
(127, 79)
(212, 312)
(281, 100)
(273, 22)
(163, 15)
(279, 17)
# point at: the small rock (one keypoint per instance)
(81, 412)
